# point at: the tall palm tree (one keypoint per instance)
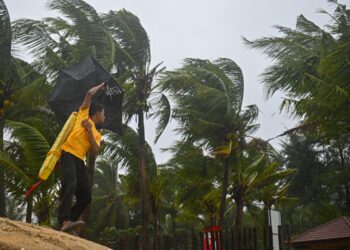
(133, 49)
(5, 61)
(208, 98)
(5, 40)
(18, 82)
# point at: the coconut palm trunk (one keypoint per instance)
(143, 182)
(238, 221)
(155, 213)
(224, 192)
(5, 59)
(29, 210)
(2, 180)
(173, 220)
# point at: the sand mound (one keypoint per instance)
(19, 235)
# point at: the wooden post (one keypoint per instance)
(135, 245)
(227, 239)
(255, 236)
(222, 238)
(233, 239)
(244, 243)
(201, 239)
(194, 240)
(280, 237)
(265, 238)
(270, 238)
(239, 239)
(250, 239)
(288, 237)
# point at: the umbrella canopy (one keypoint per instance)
(73, 84)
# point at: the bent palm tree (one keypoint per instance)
(134, 66)
(208, 100)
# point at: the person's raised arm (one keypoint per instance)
(90, 93)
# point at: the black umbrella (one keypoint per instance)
(74, 82)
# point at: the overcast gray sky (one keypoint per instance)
(207, 29)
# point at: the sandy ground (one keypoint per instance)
(15, 235)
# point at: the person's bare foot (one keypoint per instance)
(70, 225)
(65, 225)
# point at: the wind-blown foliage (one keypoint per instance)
(124, 149)
(208, 101)
(108, 209)
(322, 181)
(311, 67)
(207, 105)
(59, 42)
(218, 173)
(133, 68)
(194, 175)
(21, 160)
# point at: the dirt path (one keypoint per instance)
(15, 235)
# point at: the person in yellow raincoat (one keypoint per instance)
(84, 137)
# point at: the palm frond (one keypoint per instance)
(88, 28)
(133, 47)
(34, 144)
(163, 112)
(13, 170)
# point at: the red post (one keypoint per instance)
(211, 238)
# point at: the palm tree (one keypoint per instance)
(15, 210)
(5, 61)
(208, 100)
(254, 173)
(194, 175)
(133, 49)
(18, 82)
